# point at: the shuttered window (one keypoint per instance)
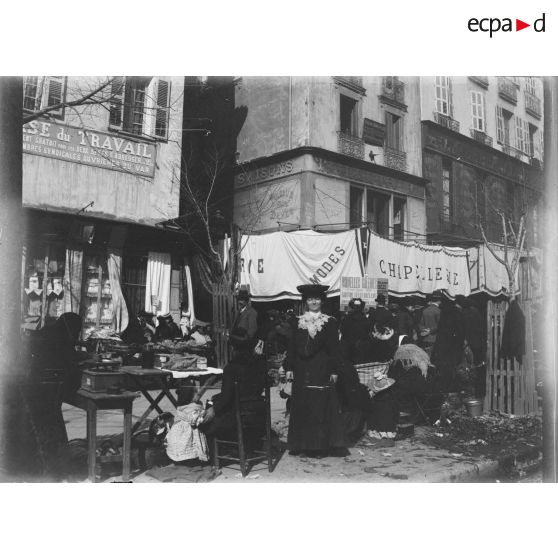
(443, 95)
(116, 103)
(522, 142)
(499, 125)
(42, 92)
(140, 106)
(477, 106)
(162, 109)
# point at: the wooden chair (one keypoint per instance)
(247, 418)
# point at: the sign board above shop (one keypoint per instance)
(366, 288)
(88, 147)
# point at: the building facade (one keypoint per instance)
(329, 153)
(482, 153)
(98, 178)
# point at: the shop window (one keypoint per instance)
(140, 106)
(97, 308)
(398, 218)
(348, 115)
(43, 285)
(394, 131)
(42, 92)
(134, 274)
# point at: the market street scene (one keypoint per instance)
(275, 279)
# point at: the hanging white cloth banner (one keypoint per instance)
(157, 287)
(274, 264)
(491, 275)
(190, 291)
(120, 310)
(413, 268)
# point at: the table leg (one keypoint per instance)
(149, 409)
(127, 443)
(153, 403)
(91, 440)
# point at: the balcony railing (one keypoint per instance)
(481, 136)
(533, 104)
(395, 159)
(507, 90)
(393, 89)
(446, 121)
(480, 80)
(510, 150)
(350, 145)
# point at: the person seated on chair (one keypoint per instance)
(250, 373)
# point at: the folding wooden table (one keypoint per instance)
(143, 377)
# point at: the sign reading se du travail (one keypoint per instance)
(88, 147)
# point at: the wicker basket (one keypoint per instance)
(370, 370)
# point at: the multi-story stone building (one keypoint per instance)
(330, 153)
(482, 151)
(98, 177)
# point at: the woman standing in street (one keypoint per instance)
(313, 362)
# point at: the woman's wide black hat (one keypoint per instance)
(313, 290)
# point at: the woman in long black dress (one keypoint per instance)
(313, 363)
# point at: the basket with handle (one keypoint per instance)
(370, 370)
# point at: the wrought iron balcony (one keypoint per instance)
(510, 150)
(395, 159)
(481, 136)
(480, 80)
(446, 121)
(533, 105)
(393, 89)
(350, 145)
(507, 90)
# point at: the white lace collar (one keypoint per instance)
(312, 322)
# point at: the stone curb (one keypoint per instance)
(486, 468)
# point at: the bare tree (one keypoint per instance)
(512, 227)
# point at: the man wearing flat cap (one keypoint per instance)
(247, 317)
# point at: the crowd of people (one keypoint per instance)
(328, 405)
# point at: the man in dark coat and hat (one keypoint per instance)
(247, 317)
(354, 330)
(448, 349)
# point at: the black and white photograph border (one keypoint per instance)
(163, 229)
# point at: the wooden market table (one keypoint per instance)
(143, 377)
(92, 402)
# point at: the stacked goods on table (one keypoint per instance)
(185, 363)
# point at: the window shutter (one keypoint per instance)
(31, 100)
(500, 135)
(116, 103)
(55, 94)
(162, 109)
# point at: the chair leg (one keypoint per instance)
(241, 447)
